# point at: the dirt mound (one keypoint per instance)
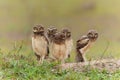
(110, 65)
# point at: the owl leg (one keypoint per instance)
(41, 59)
(62, 61)
(38, 56)
(68, 55)
(84, 58)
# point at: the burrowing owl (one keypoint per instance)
(39, 42)
(84, 43)
(58, 47)
(68, 41)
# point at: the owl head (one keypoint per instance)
(51, 31)
(66, 32)
(92, 35)
(59, 38)
(38, 29)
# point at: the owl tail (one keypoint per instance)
(79, 56)
(48, 51)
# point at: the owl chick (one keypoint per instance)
(58, 47)
(84, 43)
(39, 43)
(68, 41)
(51, 31)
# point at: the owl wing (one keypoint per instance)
(46, 39)
(82, 42)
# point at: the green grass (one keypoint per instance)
(18, 64)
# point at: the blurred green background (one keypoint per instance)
(18, 16)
